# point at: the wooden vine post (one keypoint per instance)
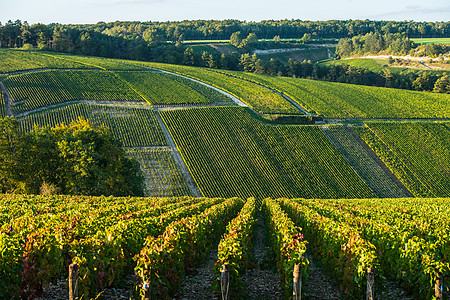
(225, 282)
(297, 286)
(73, 281)
(439, 287)
(370, 284)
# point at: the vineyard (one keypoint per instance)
(162, 174)
(230, 153)
(417, 153)
(133, 126)
(160, 88)
(340, 100)
(96, 62)
(17, 60)
(363, 163)
(259, 98)
(39, 89)
(400, 241)
(330, 198)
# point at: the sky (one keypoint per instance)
(93, 11)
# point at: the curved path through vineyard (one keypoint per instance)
(179, 159)
(289, 99)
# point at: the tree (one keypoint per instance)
(71, 159)
(442, 85)
(306, 38)
(189, 59)
(236, 39)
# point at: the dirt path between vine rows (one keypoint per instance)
(197, 285)
(179, 159)
(262, 281)
(382, 165)
(8, 100)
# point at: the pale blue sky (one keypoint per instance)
(92, 11)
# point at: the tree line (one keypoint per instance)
(76, 159)
(17, 33)
(148, 41)
(395, 44)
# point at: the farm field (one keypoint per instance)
(314, 54)
(341, 100)
(431, 40)
(364, 164)
(259, 98)
(51, 232)
(375, 65)
(133, 126)
(162, 174)
(230, 153)
(34, 90)
(162, 88)
(417, 153)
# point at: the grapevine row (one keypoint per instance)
(134, 127)
(162, 174)
(102, 241)
(342, 249)
(229, 154)
(413, 247)
(417, 153)
(287, 242)
(163, 260)
(40, 89)
(235, 247)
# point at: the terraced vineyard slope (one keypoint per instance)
(163, 88)
(18, 60)
(133, 126)
(364, 164)
(259, 98)
(341, 100)
(163, 177)
(34, 90)
(230, 153)
(417, 153)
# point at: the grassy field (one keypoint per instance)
(376, 65)
(431, 40)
